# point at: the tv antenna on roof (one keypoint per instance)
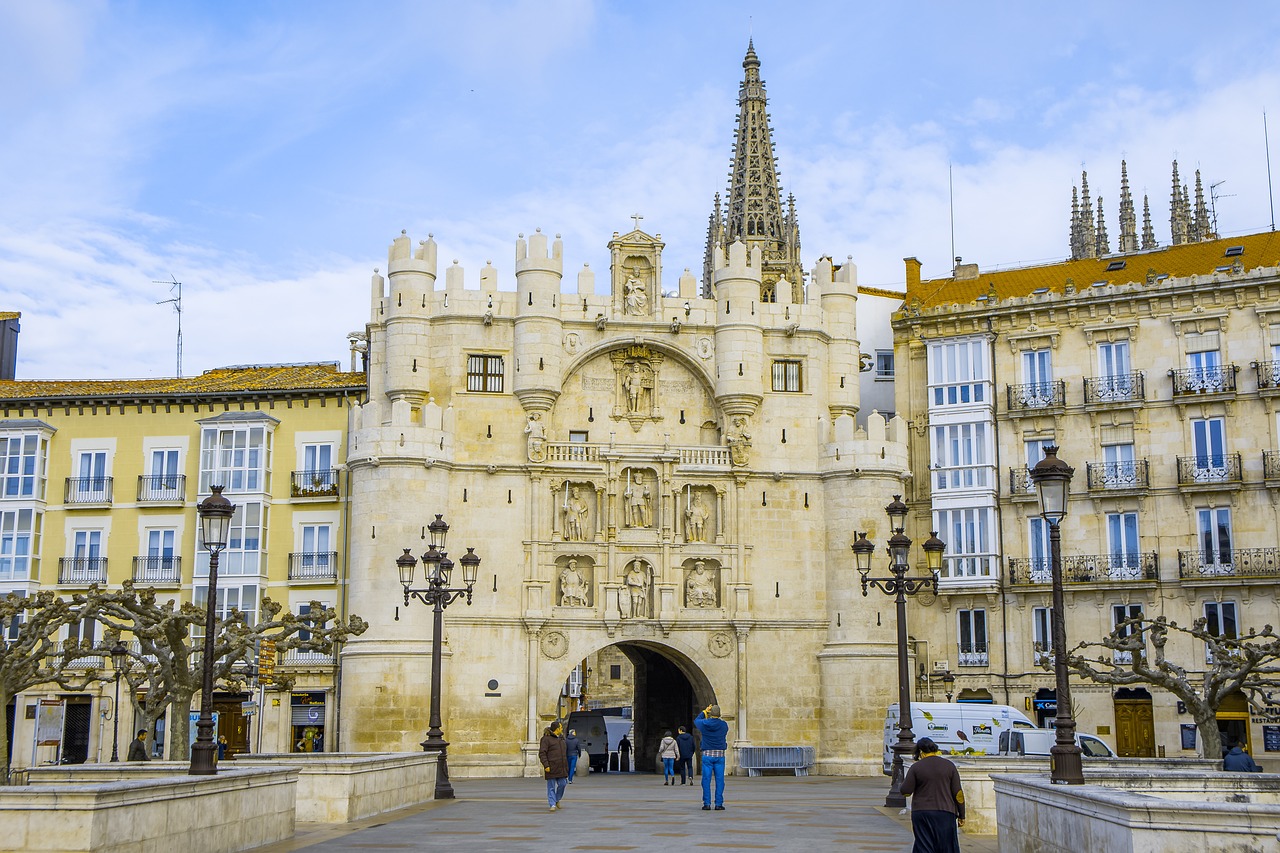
(175, 286)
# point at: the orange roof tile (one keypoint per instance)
(10, 315)
(266, 379)
(879, 291)
(1177, 261)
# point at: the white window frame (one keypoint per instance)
(970, 536)
(1209, 448)
(20, 531)
(960, 456)
(1122, 613)
(24, 460)
(93, 471)
(245, 553)
(235, 456)
(1040, 566)
(971, 638)
(1222, 619)
(959, 372)
(884, 364)
(1042, 633)
(1215, 539)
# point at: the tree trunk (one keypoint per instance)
(180, 727)
(1210, 737)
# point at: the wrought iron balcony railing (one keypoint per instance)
(1106, 476)
(1268, 373)
(315, 484)
(164, 571)
(1271, 464)
(1210, 469)
(1020, 481)
(1037, 395)
(973, 654)
(87, 490)
(82, 570)
(1128, 388)
(1204, 380)
(1042, 654)
(162, 488)
(313, 566)
(1081, 568)
(1237, 562)
(301, 657)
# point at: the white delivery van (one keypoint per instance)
(958, 728)
(1038, 742)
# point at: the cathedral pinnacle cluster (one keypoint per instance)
(1187, 224)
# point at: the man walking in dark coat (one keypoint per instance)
(937, 803)
(555, 763)
(572, 748)
(138, 748)
(684, 743)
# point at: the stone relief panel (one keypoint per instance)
(636, 599)
(637, 369)
(738, 440)
(702, 583)
(574, 583)
(536, 434)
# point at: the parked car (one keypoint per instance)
(958, 728)
(1038, 742)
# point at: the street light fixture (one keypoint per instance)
(900, 586)
(437, 595)
(215, 514)
(1052, 478)
(948, 681)
(119, 656)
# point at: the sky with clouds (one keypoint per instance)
(265, 154)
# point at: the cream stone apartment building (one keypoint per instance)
(99, 482)
(1156, 370)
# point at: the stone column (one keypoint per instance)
(743, 693)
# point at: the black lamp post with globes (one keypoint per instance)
(215, 514)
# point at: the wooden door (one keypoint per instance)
(1135, 728)
(233, 725)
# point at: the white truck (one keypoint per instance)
(958, 728)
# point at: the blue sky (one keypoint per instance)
(265, 154)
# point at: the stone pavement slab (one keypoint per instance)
(624, 812)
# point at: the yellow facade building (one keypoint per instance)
(99, 481)
(1157, 371)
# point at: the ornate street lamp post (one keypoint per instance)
(438, 595)
(1052, 478)
(119, 656)
(948, 682)
(215, 514)
(900, 586)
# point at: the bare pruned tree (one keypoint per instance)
(166, 666)
(1249, 663)
(31, 654)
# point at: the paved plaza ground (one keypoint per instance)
(615, 812)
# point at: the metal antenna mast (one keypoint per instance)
(176, 302)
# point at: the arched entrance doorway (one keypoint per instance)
(651, 686)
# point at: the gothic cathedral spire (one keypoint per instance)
(754, 212)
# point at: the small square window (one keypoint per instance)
(578, 436)
(615, 671)
(484, 373)
(884, 364)
(787, 376)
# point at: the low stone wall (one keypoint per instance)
(1212, 812)
(234, 810)
(980, 794)
(338, 787)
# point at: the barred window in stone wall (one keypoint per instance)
(786, 376)
(484, 373)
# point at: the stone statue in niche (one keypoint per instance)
(700, 588)
(635, 300)
(636, 582)
(739, 441)
(637, 388)
(695, 519)
(637, 498)
(575, 516)
(536, 431)
(573, 587)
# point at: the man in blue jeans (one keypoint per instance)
(715, 733)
